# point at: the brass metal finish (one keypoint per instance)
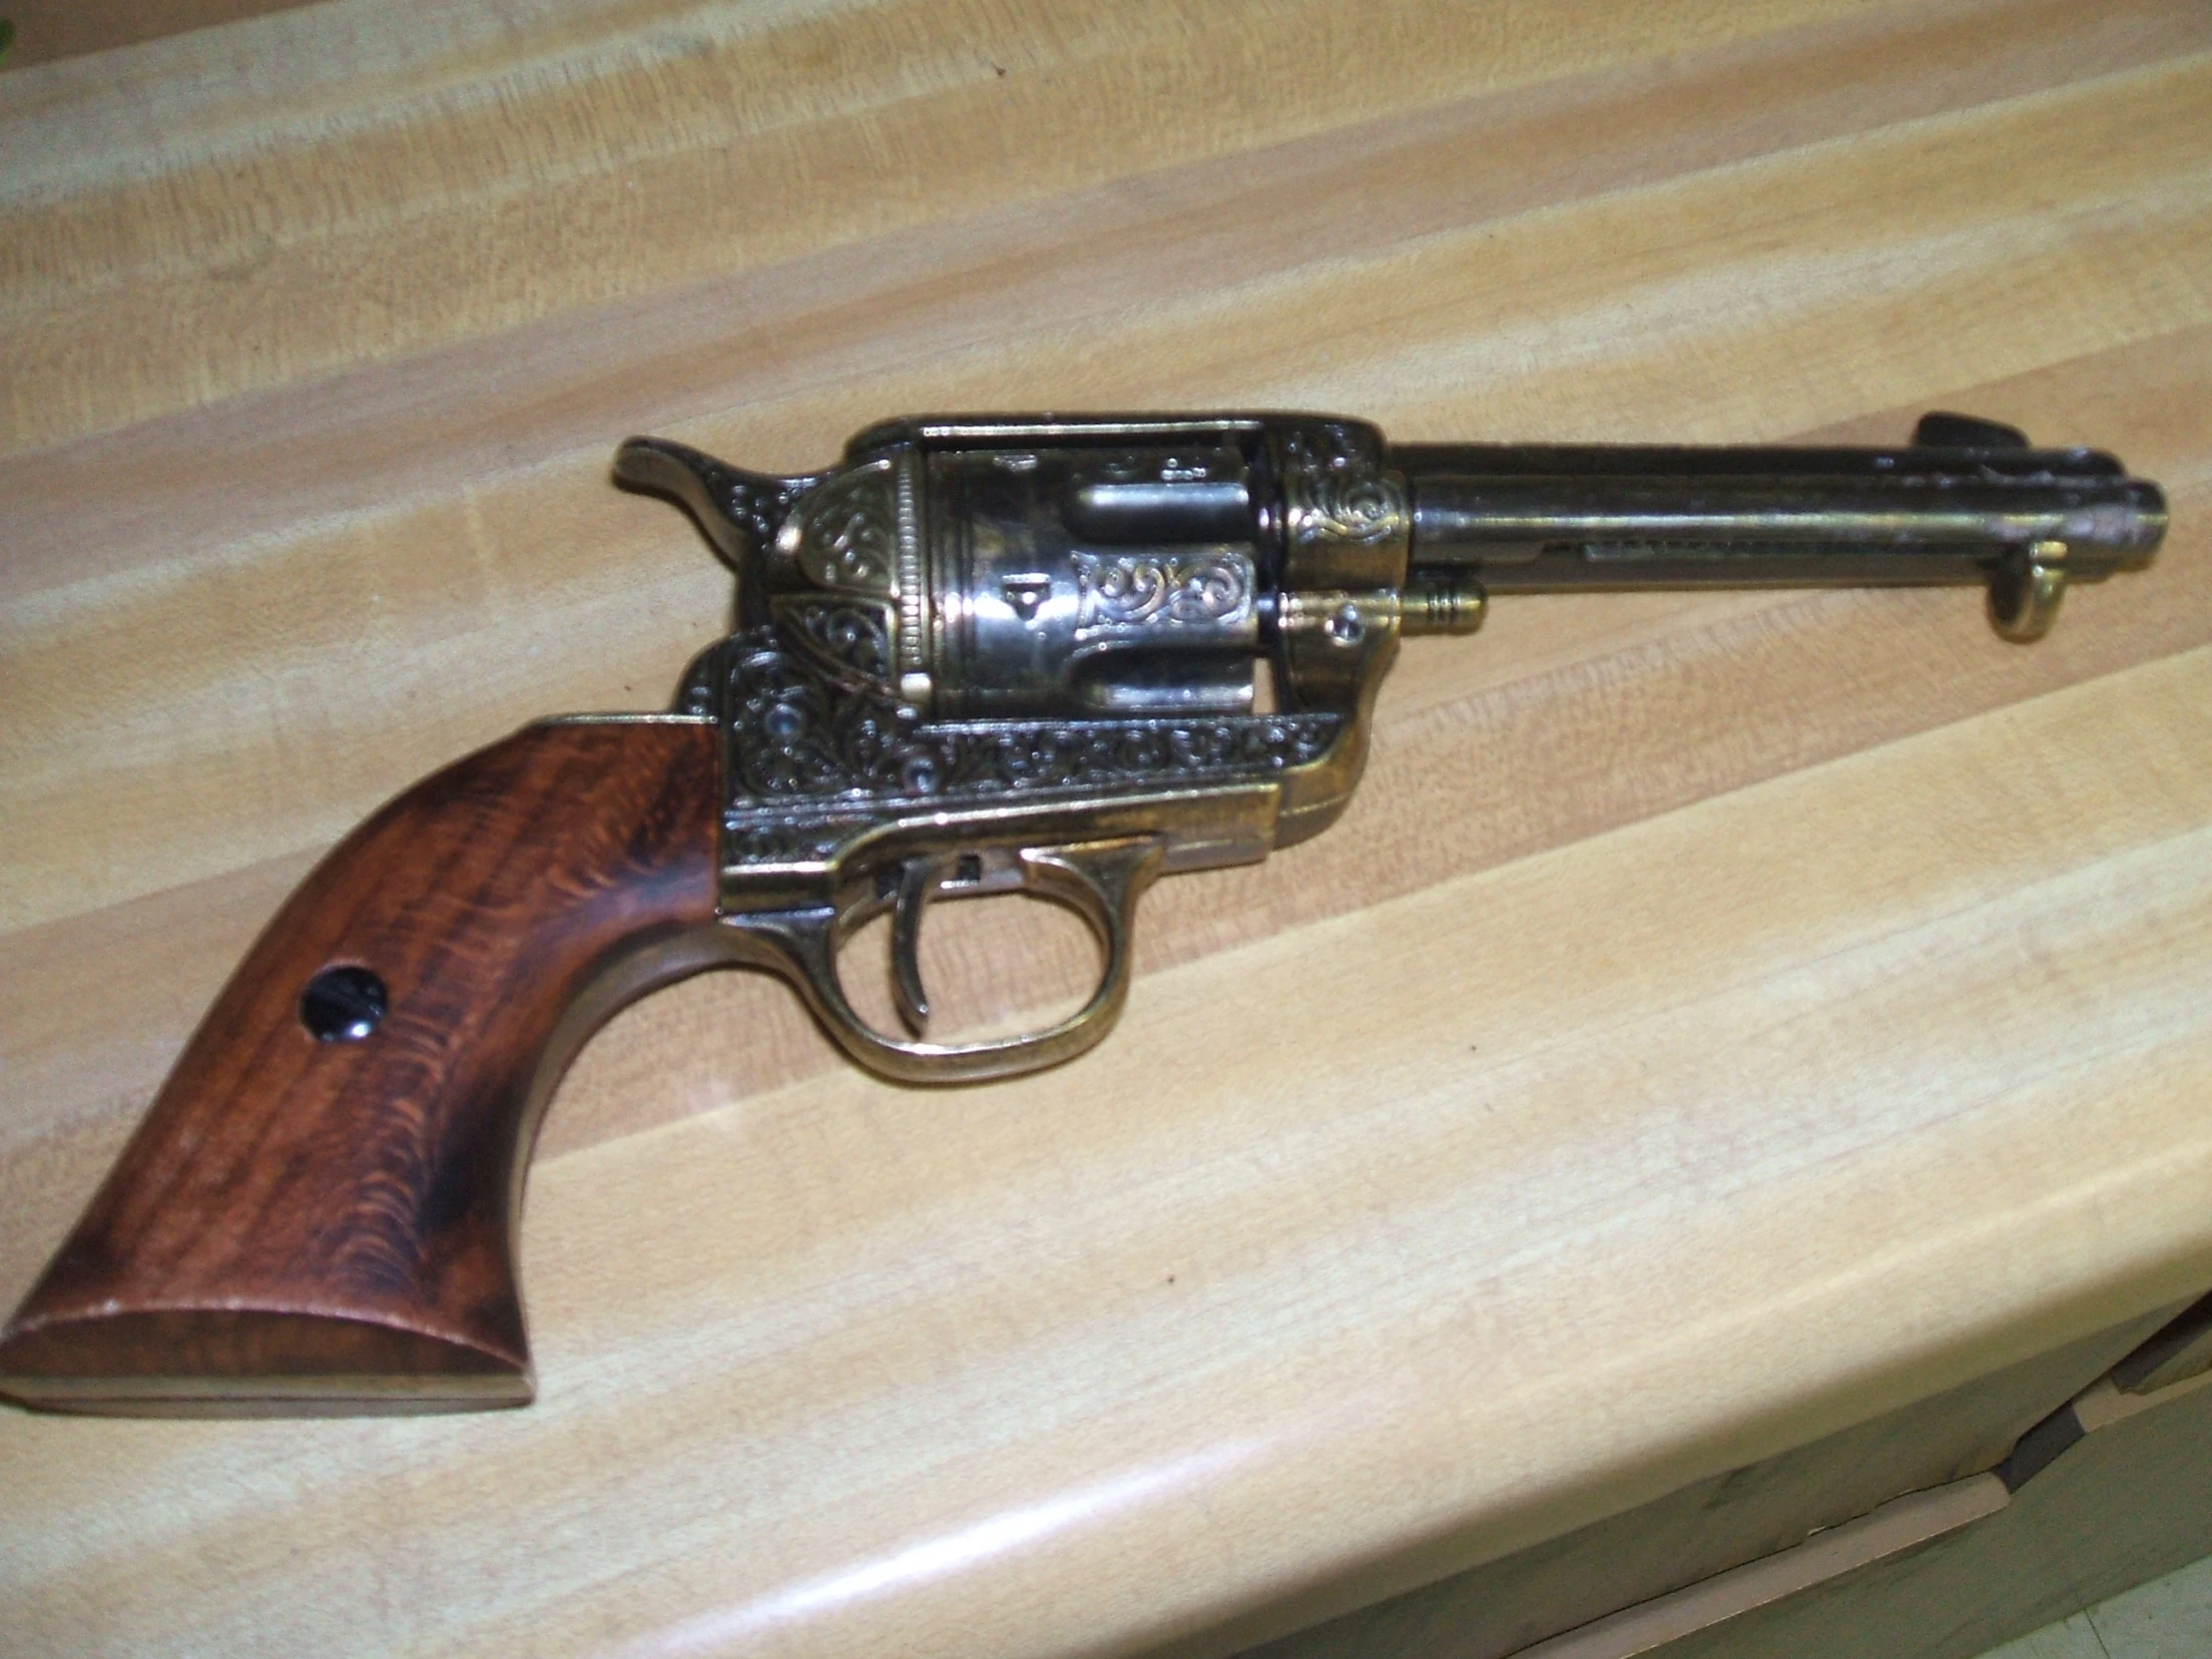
(1453, 603)
(991, 654)
(1102, 880)
(2026, 589)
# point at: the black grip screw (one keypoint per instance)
(342, 1004)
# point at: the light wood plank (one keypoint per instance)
(239, 177)
(1719, 1022)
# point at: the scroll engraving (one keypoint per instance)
(809, 759)
(1346, 520)
(1146, 590)
(845, 533)
(1360, 507)
(757, 501)
(848, 635)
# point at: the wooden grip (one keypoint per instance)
(305, 1224)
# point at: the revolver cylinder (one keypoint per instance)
(1041, 568)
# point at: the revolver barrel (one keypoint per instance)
(1523, 518)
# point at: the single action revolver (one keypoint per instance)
(1058, 655)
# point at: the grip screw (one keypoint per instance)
(342, 1004)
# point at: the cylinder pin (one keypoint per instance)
(1447, 602)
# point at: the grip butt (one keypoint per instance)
(326, 1222)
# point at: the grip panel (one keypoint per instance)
(306, 1226)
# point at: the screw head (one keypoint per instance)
(344, 1004)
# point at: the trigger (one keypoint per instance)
(918, 884)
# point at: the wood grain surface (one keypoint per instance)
(1719, 1021)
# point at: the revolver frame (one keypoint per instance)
(991, 654)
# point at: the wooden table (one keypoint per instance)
(1720, 1020)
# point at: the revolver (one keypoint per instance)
(1060, 655)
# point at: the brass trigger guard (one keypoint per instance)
(1100, 880)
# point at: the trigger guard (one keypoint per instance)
(1101, 881)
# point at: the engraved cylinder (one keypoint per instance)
(1093, 581)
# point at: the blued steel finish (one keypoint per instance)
(1068, 655)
